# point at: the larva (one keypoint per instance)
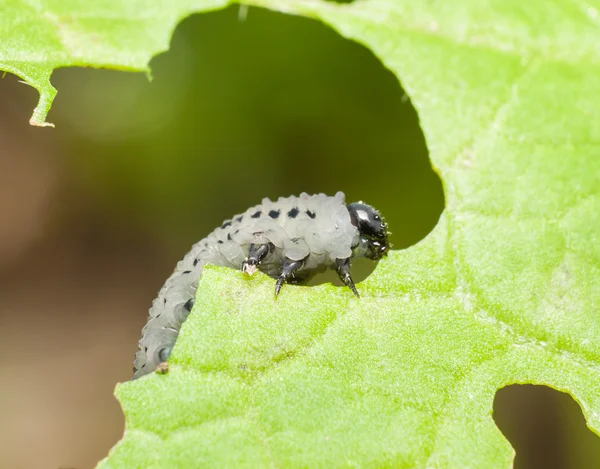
(290, 239)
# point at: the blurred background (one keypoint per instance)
(95, 214)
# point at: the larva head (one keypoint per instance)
(373, 242)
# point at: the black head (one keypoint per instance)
(372, 228)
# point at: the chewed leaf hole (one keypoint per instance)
(546, 428)
(276, 104)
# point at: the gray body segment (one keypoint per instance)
(314, 228)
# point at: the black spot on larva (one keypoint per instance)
(145, 349)
(220, 242)
(165, 301)
(293, 212)
(257, 214)
(311, 214)
(226, 224)
(187, 271)
(239, 219)
(228, 236)
(195, 262)
(159, 315)
(189, 304)
(274, 213)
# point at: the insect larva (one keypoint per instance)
(290, 239)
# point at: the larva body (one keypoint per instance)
(290, 239)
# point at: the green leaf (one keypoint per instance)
(38, 36)
(504, 290)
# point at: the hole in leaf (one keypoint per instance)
(546, 428)
(238, 110)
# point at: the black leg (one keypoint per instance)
(343, 270)
(287, 270)
(256, 254)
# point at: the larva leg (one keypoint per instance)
(343, 270)
(256, 254)
(287, 270)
